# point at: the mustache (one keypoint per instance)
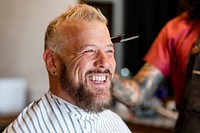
(107, 71)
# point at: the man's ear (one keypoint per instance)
(52, 61)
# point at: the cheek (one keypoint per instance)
(77, 68)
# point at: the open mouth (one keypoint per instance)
(98, 78)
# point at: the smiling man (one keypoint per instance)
(79, 58)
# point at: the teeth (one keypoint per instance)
(98, 78)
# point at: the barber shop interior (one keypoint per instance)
(152, 42)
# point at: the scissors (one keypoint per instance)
(120, 38)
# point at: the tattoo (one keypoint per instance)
(141, 87)
(149, 79)
(121, 92)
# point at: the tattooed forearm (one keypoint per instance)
(149, 79)
(124, 92)
(134, 91)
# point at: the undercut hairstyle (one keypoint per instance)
(81, 12)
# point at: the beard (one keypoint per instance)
(81, 94)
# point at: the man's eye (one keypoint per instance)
(89, 51)
(110, 51)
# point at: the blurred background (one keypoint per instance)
(22, 28)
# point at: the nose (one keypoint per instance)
(102, 60)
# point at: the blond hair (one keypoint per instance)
(80, 12)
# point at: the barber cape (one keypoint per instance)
(54, 115)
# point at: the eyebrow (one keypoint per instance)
(110, 45)
(93, 45)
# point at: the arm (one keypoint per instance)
(133, 92)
